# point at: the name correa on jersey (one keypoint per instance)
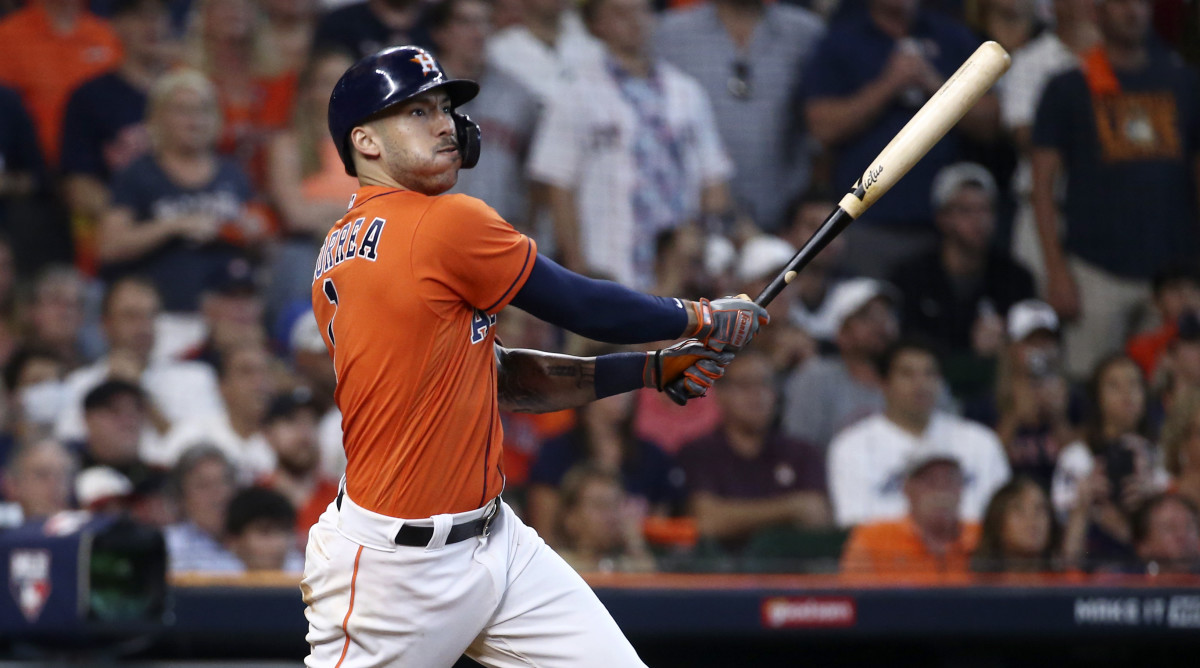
(349, 242)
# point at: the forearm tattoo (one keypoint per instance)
(530, 381)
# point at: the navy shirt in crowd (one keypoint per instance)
(854, 53)
(179, 268)
(1131, 197)
(18, 142)
(103, 131)
(783, 467)
(647, 471)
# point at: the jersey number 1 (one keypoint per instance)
(331, 295)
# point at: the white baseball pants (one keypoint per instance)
(505, 600)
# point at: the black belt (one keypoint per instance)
(415, 536)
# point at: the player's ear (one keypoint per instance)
(364, 139)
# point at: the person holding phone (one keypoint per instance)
(1101, 479)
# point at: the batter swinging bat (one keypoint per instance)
(940, 113)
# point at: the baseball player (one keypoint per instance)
(419, 560)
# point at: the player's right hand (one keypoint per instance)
(729, 323)
(702, 367)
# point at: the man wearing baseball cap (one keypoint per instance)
(830, 392)
(932, 540)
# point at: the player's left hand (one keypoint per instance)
(705, 366)
(728, 323)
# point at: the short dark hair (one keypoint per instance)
(121, 7)
(22, 358)
(1174, 273)
(106, 394)
(117, 285)
(192, 458)
(883, 364)
(259, 504)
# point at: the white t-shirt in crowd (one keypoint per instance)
(542, 68)
(868, 460)
(181, 390)
(251, 456)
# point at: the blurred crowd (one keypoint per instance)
(995, 369)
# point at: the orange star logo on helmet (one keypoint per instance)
(427, 63)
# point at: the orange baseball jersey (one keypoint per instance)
(406, 292)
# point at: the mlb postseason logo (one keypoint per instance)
(29, 581)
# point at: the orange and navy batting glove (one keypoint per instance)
(707, 365)
(728, 323)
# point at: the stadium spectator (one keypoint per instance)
(506, 111)
(287, 34)
(867, 461)
(33, 381)
(1049, 54)
(748, 56)
(1123, 131)
(115, 415)
(203, 484)
(956, 295)
(1166, 535)
(1010, 23)
(179, 212)
(1180, 364)
(600, 529)
(306, 180)
(37, 477)
(227, 44)
(291, 431)
(747, 476)
(233, 312)
(1031, 405)
(1176, 291)
(104, 127)
(932, 539)
(176, 390)
(362, 28)
(603, 438)
(22, 170)
(260, 531)
(865, 80)
(47, 49)
(1018, 530)
(246, 390)
(761, 259)
(811, 304)
(54, 317)
(830, 392)
(545, 50)
(1181, 445)
(627, 150)
(1102, 478)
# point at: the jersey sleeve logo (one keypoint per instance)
(480, 324)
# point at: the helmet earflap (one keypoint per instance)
(467, 133)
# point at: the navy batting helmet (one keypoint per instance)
(390, 77)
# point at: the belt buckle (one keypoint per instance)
(487, 519)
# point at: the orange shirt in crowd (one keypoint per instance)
(895, 549)
(246, 125)
(406, 292)
(332, 183)
(45, 66)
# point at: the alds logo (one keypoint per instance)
(428, 65)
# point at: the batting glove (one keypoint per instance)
(728, 323)
(705, 366)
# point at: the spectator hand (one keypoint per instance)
(906, 68)
(705, 366)
(198, 228)
(729, 323)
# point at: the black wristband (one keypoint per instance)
(619, 372)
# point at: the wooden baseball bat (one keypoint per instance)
(940, 113)
(931, 122)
